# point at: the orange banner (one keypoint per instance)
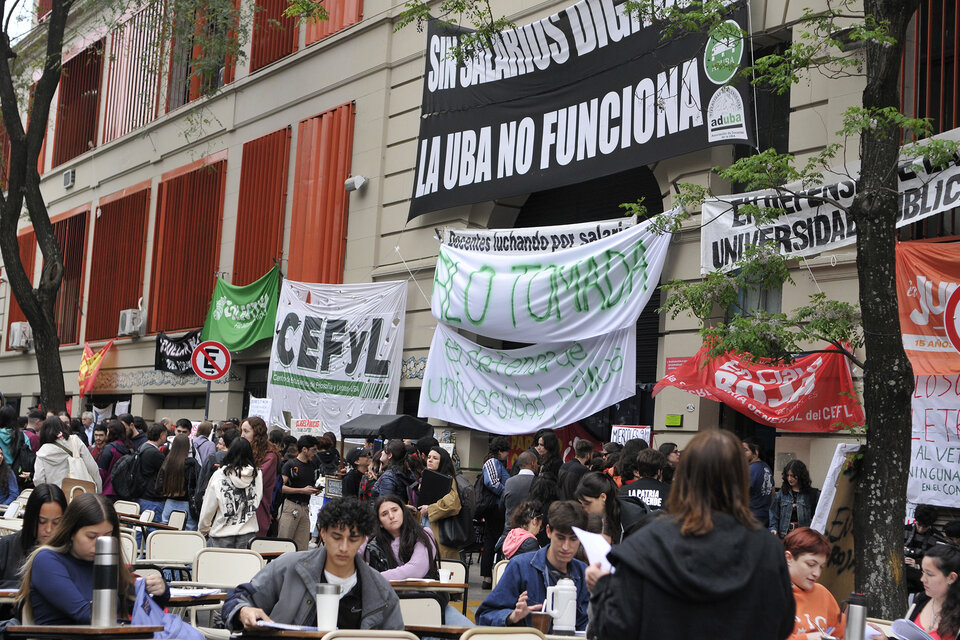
(928, 274)
(90, 366)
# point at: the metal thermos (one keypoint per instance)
(106, 574)
(856, 616)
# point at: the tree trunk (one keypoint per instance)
(880, 502)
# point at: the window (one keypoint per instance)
(186, 245)
(319, 219)
(28, 256)
(78, 105)
(119, 250)
(341, 14)
(189, 79)
(263, 197)
(70, 231)
(133, 78)
(274, 35)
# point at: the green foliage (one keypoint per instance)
(473, 14)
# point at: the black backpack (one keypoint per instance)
(126, 478)
(484, 500)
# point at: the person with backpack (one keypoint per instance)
(228, 516)
(210, 466)
(15, 446)
(202, 447)
(494, 479)
(177, 481)
(151, 459)
(62, 455)
(396, 478)
(446, 507)
(254, 430)
(117, 446)
(327, 460)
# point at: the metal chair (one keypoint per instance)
(421, 609)
(369, 634)
(177, 519)
(127, 508)
(128, 547)
(498, 570)
(174, 550)
(502, 633)
(459, 569)
(272, 545)
(223, 569)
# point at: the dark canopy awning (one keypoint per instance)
(386, 426)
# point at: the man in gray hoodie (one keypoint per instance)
(284, 590)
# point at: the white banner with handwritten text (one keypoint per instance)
(935, 447)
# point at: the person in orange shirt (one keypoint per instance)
(817, 610)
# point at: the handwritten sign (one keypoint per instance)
(935, 446)
(261, 407)
(305, 427)
(620, 433)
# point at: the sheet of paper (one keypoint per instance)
(180, 592)
(909, 631)
(595, 546)
(286, 627)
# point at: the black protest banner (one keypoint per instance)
(173, 354)
(586, 92)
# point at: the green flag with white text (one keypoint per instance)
(240, 316)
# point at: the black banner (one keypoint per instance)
(586, 92)
(173, 354)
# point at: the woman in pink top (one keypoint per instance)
(937, 609)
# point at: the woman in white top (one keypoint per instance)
(57, 447)
(228, 516)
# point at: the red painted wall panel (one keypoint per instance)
(71, 234)
(274, 35)
(341, 13)
(78, 105)
(133, 84)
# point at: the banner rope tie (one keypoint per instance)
(412, 277)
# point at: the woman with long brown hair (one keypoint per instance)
(57, 585)
(705, 570)
(177, 480)
(254, 431)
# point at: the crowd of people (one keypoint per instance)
(702, 542)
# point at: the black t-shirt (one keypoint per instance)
(653, 492)
(298, 475)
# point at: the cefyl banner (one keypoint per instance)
(173, 354)
(533, 241)
(240, 316)
(586, 92)
(516, 391)
(815, 393)
(927, 295)
(935, 448)
(570, 294)
(815, 219)
(336, 351)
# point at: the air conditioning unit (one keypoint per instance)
(69, 178)
(21, 336)
(131, 323)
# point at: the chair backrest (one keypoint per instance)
(423, 611)
(175, 546)
(147, 515)
(226, 567)
(177, 519)
(265, 545)
(369, 634)
(146, 571)
(128, 547)
(72, 487)
(498, 570)
(26, 493)
(503, 633)
(13, 510)
(127, 508)
(459, 569)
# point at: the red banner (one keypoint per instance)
(90, 363)
(815, 393)
(567, 435)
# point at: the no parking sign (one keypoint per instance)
(210, 360)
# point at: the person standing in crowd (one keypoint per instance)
(210, 465)
(806, 551)
(648, 488)
(357, 482)
(43, 512)
(86, 419)
(761, 481)
(517, 488)
(116, 447)
(228, 515)
(937, 609)
(299, 476)
(135, 436)
(32, 430)
(793, 507)
(99, 441)
(525, 525)
(495, 476)
(671, 452)
(706, 570)
(9, 486)
(177, 481)
(951, 531)
(327, 460)
(523, 586)
(201, 445)
(394, 478)
(597, 493)
(183, 427)
(446, 507)
(627, 463)
(151, 459)
(57, 446)
(571, 472)
(548, 446)
(254, 430)
(283, 590)
(918, 537)
(15, 446)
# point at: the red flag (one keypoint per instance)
(815, 393)
(90, 366)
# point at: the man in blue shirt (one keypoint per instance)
(523, 586)
(761, 481)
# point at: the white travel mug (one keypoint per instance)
(328, 606)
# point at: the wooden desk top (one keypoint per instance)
(428, 585)
(431, 631)
(151, 525)
(195, 601)
(119, 632)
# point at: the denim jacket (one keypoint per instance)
(782, 508)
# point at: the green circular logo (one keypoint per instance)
(721, 57)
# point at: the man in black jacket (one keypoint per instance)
(151, 459)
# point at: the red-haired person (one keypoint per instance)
(807, 551)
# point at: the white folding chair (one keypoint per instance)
(25, 494)
(127, 508)
(147, 515)
(498, 570)
(272, 545)
(369, 634)
(422, 611)
(173, 547)
(223, 569)
(459, 570)
(128, 547)
(177, 519)
(502, 633)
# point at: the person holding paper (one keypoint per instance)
(937, 609)
(806, 552)
(523, 586)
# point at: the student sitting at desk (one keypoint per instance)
(58, 577)
(43, 512)
(284, 590)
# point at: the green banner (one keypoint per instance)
(239, 316)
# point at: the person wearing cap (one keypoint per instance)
(357, 482)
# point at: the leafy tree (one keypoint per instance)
(841, 39)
